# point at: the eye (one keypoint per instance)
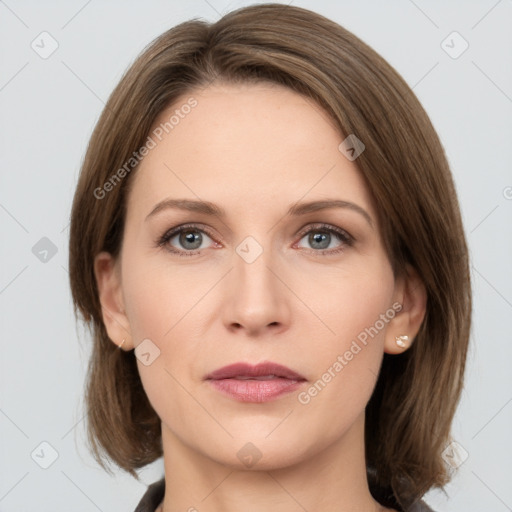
(187, 238)
(321, 236)
(183, 240)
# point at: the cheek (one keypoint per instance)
(157, 309)
(347, 362)
(158, 297)
(352, 303)
(161, 305)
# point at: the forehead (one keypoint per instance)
(241, 144)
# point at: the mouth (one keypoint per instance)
(260, 383)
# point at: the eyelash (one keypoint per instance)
(341, 234)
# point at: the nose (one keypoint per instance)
(257, 299)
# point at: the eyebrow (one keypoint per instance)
(295, 210)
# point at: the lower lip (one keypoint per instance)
(256, 390)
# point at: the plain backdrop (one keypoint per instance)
(48, 107)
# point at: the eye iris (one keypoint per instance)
(319, 237)
(190, 237)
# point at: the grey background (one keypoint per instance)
(48, 108)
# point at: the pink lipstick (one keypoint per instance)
(260, 383)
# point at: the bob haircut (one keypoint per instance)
(409, 416)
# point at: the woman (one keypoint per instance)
(267, 243)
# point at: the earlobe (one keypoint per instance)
(110, 295)
(402, 329)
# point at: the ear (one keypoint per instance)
(411, 293)
(108, 280)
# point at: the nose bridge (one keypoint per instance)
(252, 262)
(256, 295)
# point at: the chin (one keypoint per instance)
(253, 452)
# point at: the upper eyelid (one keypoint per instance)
(176, 230)
(323, 225)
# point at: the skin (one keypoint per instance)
(254, 150)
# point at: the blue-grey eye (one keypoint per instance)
(189, 239)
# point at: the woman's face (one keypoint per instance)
(255, 283)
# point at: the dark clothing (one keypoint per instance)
(152, 498)
(155, 494)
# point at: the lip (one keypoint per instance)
(248, 383)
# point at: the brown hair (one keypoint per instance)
(409, 415)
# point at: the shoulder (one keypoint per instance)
(152, 497)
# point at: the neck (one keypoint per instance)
(332, 480)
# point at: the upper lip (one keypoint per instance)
(259, 370)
